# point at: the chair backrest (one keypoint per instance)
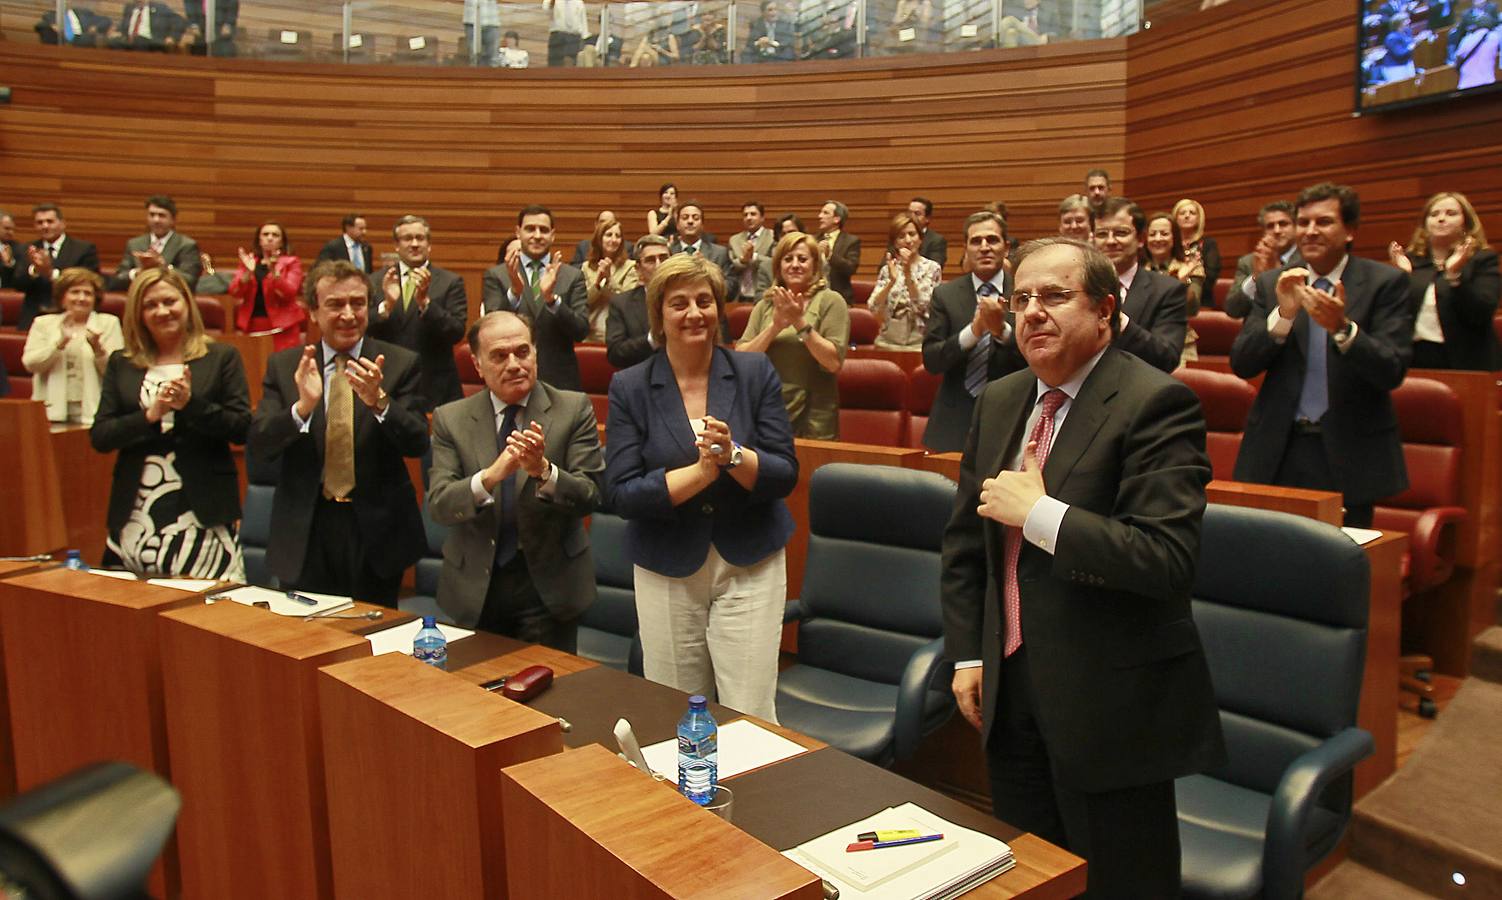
(872, 402)
(12, 345)
(608, 628)
(864, 326)
(860, 292)
(430, 566)
(1217, 332)
(1281, 606)
(211, 310)
(10, 307)
(595, 372)
(739, 316)
(114, 304)
(255, 533)
(1226, 400)
(1430, 420)
(1219, 291)
(922, 387)
(871, 583)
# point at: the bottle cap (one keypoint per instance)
(698, 701)
(430, 621)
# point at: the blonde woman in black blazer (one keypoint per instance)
(171, 403)
(1453, 287)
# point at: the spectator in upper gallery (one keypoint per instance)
(664, 219)
(841, 249)
(904, 288)
(512, 54)
(148, 25)
(749, 248)
(1035, 23)
(658, 47)
(66, 352)
(608, 271)
(423, 308)
(771, 37)
(82, 27)
(226, 20)
(1097, 190)
(487, 15)
(1274, 250)
(581, 249)
(628, 335)
(1166, 254)
(1334, 337)
(1076, 218)
(537, 283)
(932, 245)
(268, 285)
(1153, 320)
(1453, 287)
(51, 253)
(350, 245)
(162, 246)
(566, 31)
(1190, 217)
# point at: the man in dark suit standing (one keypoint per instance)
(771, 37)
(749, 248)
(421, 307)
(1154, 309)
(690, 238)
(628, 335)
(350, 245)
(149, 25)
(1334, 337)
(1274, 250)
(841, 250)
(10, 251)
(162, 246)
(1066, 597)
(547, 291)
(337, 419)
(226, 19)
(969, 336)
(934, 246)
(52, 252)
(516, 468)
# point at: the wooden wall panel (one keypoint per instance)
(1253, 100)
(243, 141)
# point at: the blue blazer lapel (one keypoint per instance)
(723, 386)
(667, 403)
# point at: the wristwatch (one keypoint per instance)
(804, 332)
(736, 456)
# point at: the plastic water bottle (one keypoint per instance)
(75, 562)
(698, 752)
(430, 646)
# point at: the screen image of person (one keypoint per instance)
(698, 460)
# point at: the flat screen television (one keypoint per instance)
(1423, 51)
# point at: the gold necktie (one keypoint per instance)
(408, 284)
(339, 435)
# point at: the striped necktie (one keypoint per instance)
(980, 355)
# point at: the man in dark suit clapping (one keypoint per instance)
(421, 307)
(541, 286)
(350, 245)
(1153, 306)
(52, 252)
(162, 246)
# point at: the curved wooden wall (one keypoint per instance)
(242, 141)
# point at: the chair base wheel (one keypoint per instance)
(1427, 709)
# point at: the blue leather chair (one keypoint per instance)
(1281, 605)
(424, 599)
(607, 630)
(255, 521)
(870, 677)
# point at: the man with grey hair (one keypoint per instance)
(841, 250)
(628, 337)
(421, 307)
(1067, 566)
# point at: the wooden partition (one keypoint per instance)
(85, 489)
(7, 748)
(34, 520)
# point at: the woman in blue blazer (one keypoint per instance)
(698, 458)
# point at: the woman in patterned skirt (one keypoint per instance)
(171, 403)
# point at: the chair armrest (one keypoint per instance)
(1293, 802)
(793, 612)
(926, 664)
(1431, 547)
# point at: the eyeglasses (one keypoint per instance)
(1050, 299)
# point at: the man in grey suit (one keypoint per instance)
(748, 248)
(161, 246)
(1154, 306)
(1274, 250)
(516, 469)
(692, 239)
(543, 288)
(841, 249)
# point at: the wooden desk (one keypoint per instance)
(1379, 680)
(85, 490)
(7, 747)
(33, 520)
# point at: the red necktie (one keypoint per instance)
(1043, 436)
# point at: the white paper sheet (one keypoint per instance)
(1361, 535)
(111, 573)
(398, 638)
(190, 585)
(743, 746)
(282, 606)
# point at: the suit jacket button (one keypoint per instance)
(707, 509)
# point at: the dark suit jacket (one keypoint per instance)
(1238, 304)
(217, 414)
(18, 258)
(385, 506)
(1123, 691)
(91, 25)
(1465, 311)
(431, 334)
(226, 12)
(554, 330)
(648, 433)
(180, 253)
(38, 290)
(336, 249)
(626, 329)
(165, 23)
(844, 259)
(952, 308)
(782, 33)
(715, 254)
(550, 533)
(1156, 310)
(1360, 429)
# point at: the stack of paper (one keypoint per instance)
(283, 605)
(398, 638)
(935, 870)
(743, 746)
(190, 585)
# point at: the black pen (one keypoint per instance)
(305, 601)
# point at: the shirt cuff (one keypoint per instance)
(968, 338)
(552, 305)
(477, 490)
(1249, 286)
(1041, 527)
(1343, 341)
(651, 340)
(968, 664)
(1277, 326)
(302, 424)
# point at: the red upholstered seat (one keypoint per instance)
(1217, 331)
(860, 292)
(1219, 292)
(211, 310)
(872, 407)
(1429, 417)
(922, 387)
(465, 362)
(595, 372)
(114, 304)
(738, 314)
(863, 326)
(11, 345)
(1226, 400)
(10, 307)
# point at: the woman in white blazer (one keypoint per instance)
(66, 352)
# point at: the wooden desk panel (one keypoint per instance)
(247, 749)
(7, 751)
(85, 490)
(587, 824)
(413, 757)
(1322, 506)
(34, 521)
(1378, 712)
